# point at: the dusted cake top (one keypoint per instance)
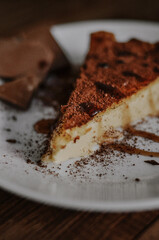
(112, 71)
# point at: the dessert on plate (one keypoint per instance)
(118, 84)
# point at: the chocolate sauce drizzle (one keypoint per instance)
(45, 126)
(152, 162)
(133, 150)
(143, 134)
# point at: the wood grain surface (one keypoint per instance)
(24, 219)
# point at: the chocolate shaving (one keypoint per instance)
(152, 162)
(11, 141)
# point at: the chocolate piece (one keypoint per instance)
(27, 51)
(44, 36)
(27, 58)
(18, 57)
(89, 108)
(20, 91)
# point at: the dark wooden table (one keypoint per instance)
(24, 219)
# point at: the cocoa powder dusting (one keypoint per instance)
(112, 71)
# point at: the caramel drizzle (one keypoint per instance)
(132, 150)
(143, 134)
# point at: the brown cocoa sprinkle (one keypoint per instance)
(40, 164)
(14, 118)
(7, 129)
(145, 65)
(29, 161)
(119, 61)
(137, 179)
(11, 141)
(36, 169)
(76, 138)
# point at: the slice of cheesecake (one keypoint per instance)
(118, 84)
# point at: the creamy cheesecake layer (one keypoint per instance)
(81, 141)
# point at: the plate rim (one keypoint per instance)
(109, 20)
(84, 205)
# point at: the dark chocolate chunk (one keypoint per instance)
(119, 61)
(89, 108)
(103, 65)
(145, 65)
(114, 92)
(132, 74)
(156, 69)
(125, 53)
(20, 91)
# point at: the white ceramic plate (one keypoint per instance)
(111, 192)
